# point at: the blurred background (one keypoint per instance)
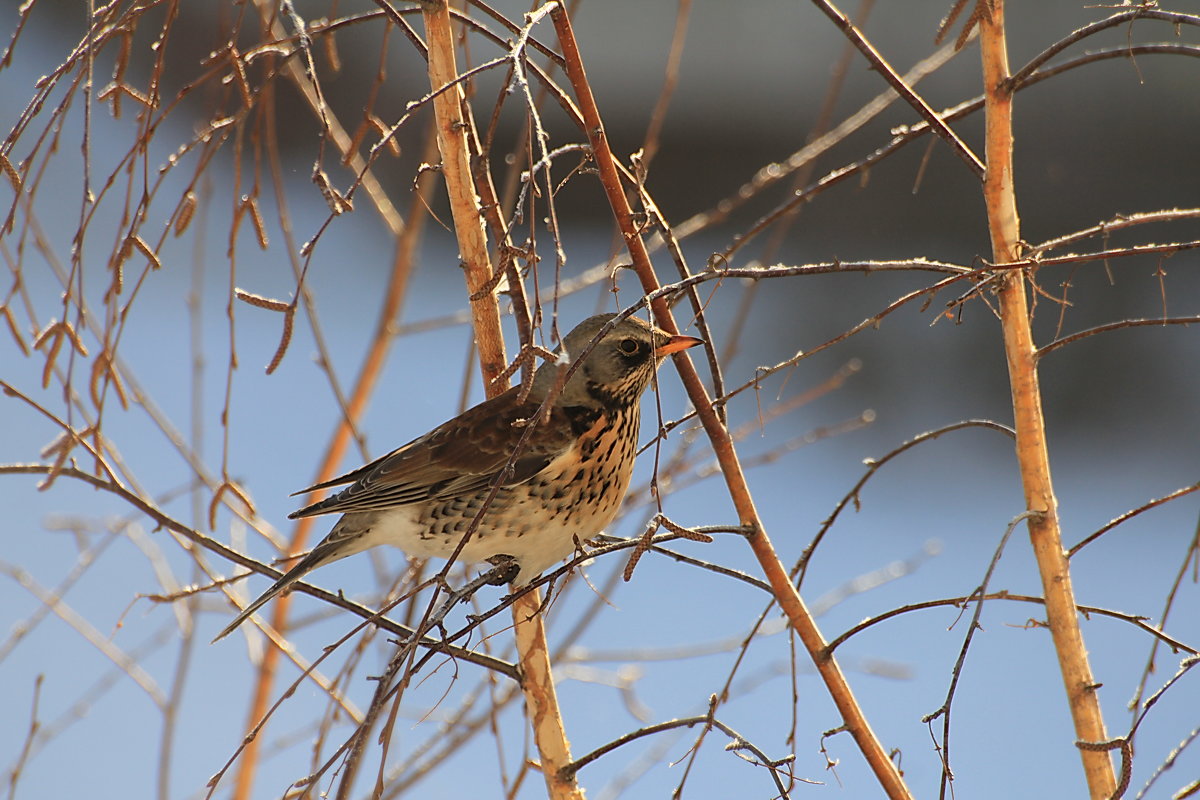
(106, 686)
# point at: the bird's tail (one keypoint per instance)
(321, 554)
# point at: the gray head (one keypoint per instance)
(619, 366)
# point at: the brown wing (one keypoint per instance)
(461, 456)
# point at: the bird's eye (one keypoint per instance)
(629, 347)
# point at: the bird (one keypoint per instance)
(564, 485)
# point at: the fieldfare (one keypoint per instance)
(564, 485)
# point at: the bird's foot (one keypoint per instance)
(505, 569)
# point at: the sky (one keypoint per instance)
(1122, 431)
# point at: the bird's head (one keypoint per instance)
(617, 369)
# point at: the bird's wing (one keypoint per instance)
(461, 456)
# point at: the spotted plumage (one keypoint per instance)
(566, 483)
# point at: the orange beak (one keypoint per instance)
(675, 344)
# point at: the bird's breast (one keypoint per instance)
(582, 489)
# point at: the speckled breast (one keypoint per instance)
(575, 496)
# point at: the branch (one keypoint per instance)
(454, 125)
(802, 621)
(958, 602)
(903, 89)
(1032, 455)
(739, 743)
(233, 556)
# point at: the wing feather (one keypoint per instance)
(462, 456)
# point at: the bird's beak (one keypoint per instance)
(675, 344)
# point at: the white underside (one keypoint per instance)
(536, 549)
